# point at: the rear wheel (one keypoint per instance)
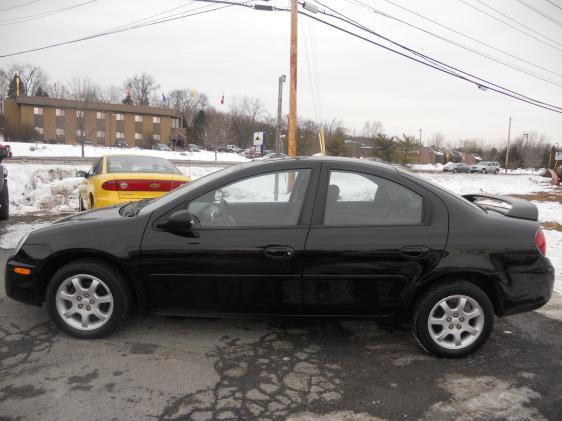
(88, 298)
(91, 202)
(453, 320)
(455, 170)
(496, 171)
(483, 170)
(4, 202)
(81, 207)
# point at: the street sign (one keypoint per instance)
(259, 138)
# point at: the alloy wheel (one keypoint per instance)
(84, 302)
(456, 322)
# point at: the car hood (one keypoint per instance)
(111, 212)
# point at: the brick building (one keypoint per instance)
(70, 121)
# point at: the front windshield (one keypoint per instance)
(180, 191)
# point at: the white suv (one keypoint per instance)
(486, 167)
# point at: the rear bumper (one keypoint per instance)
(525, 291)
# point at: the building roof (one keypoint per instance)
(96, 106)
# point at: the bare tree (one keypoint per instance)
(437, 140)
(372, 129)
(32, 77)
(218, 128)
(141, 87)
(82, 87)
(187, 102)
(244, 113)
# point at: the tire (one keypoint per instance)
(496, 172)
(437, 339)
(112, 294)
(91, 202)
(455, 171)
(483, 170)
(5, 202)
(81, 207)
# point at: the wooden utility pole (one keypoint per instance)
(508, 144)
(292, 129)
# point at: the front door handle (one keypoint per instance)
(414, 252)
(279, 252)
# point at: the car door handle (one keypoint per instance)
(414, 252)
(279, 252)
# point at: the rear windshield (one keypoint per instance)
(140, 164)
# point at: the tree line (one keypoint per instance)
(235, 122)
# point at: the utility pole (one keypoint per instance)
(508, 144)
(278, 147)
(420, 136)
(292, 129)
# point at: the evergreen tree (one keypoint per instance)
(41, 92)
(12, 90)
(128, 99)
(199, 126)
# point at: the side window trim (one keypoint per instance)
(321, 197)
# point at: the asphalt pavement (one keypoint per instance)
(300, 369)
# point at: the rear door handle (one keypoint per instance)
(414, 252)
(279, 252)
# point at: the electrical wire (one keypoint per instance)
(22, 19)
(491, 87)
(554, 4)
(446, 67)
(508, 24)
(540, 12)
(494, 59)
(499, 12)
(116, 31)
(19, 5)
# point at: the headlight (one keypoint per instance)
(21, 242)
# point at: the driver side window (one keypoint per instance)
(363, 199)
(267, 200)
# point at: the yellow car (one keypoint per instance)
(116, 179)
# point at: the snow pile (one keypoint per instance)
(490, 184)
(10, 237)
(427, 167)
(45, 150)
(554, 253)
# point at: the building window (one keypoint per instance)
(156, 137)
(100, 115)
(101, 134)
(175, 123)
(37, 111)
(138, 136)
(59, 112)
(60, 132)
(138, 118)
(80, 113)
(156, 120)
(119, 117)
(80, 132)
(119, 135)
(39, 130)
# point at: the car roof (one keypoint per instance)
(327, 159)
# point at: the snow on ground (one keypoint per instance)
(45, 150)
(500, 184)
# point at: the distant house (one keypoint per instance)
(70, 121)
(425, 155)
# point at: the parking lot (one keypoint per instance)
(303, 369)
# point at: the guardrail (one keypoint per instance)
(70, 160)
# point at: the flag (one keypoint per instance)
(222, 99)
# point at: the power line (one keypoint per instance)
(510, 25)
(540, 12)
(554, 4)
(22, 19)
(499, 12)
(111, 32)
(482, 84)
(494, 59)
(19, 5)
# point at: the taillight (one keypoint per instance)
(540, 241)
(141, 185)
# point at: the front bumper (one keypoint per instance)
(23, 288)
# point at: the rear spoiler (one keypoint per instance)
(519, 208)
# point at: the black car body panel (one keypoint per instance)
(355, 270)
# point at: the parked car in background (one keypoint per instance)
(87, 142)
(193, 148)
(456, 167)
(232, 148)
(161, 147)
(486, 167)
(116, 179)
(309, 236)
(274, 155)
(120, 143)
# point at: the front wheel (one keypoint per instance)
(455, 171)
(483, 170)
(453, 320)
(496, 172)
(4, 202)
(88, 298)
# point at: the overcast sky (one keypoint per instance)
(240, 51)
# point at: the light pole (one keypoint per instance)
(508, 144)
(420, 136)
(526, 140)
(278, 144)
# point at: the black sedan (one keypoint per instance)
(310, 236)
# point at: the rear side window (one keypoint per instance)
(363, 199)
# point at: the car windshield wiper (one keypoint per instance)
(133, 208)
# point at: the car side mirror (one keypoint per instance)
(82, 174)
(179, 222)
